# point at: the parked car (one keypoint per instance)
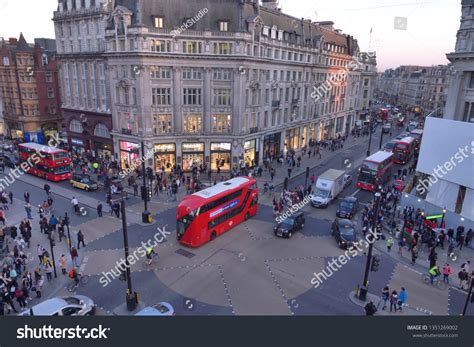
(388, 147)
(75, 305)
(83, 182)
(348, 207)
(402, 135)
(344, 232)
(289, 225)
(399, 185)
(412, 126)
(159, 309)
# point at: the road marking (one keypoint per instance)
(355, 193)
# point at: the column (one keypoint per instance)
(177, 96)
(207, 100)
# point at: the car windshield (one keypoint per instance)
(73, 301)
(347, 230)
(161, 308)
(346, 205)
(321, 193)
(87, 180)
(60, 155)
(389, 145)
(288, 222)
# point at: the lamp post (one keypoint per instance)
(66, 221)
(145, 214)
(422, 215)
(370, 138)
(51, 245)
(381, 138)
(442, 218)
(371, 244)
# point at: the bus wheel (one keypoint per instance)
(247, 216)
(213, 235)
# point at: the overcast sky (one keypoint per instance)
(426, 28)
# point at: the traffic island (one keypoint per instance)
(407, 310)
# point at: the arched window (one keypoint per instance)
(76, 126)
(101, 131)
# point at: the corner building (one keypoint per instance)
(232, 85)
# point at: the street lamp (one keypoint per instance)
(378, 195)
(370, 137)
(442, 218)
(130, 301)
(66, 221)
(51, 245)
(422, 215)
(145, 214)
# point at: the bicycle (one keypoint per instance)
(437, 281)
(465, 284)
(81, 279)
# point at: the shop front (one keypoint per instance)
(251, 153)
(165, 156)
(102, 150)
(77, 146)
(221, 155)
(292, 139)
(193, 155)
(271, 145)
(129, 153)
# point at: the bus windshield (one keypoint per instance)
(60, 155)
(183, 224)
(366, 177)
(369, 166)
(62, 169)
(401, 147)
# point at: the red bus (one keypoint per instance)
(384, 114)
(375, 171)
(404, 150)
(202, 216)
(50, 163)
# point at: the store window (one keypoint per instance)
(129, 153)
(193, 155)
(162, 123)
(221, 156)
(221, 123)
(165, 157)
(192, 123)
(251, 153)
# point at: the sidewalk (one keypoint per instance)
(407, 310)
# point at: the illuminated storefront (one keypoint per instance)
(165, 156)
(221, 156)
(271, 145)
(129, 153)
(292, 139)
(251, 152)
(193, 155)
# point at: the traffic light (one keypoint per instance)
(375, 263)
(143, 192)
(149, 194)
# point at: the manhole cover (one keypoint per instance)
(185, 253)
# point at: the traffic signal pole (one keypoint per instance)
(371, 244)
(144, 177)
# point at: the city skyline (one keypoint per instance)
(372, 24)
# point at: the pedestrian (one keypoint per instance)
(402, 299)
(63, 263)
(74, 256)
(370, 309)
(389, 244)
(48, 269)
(26, 195)
(99, 209)
(447, 271)
(80, 239)
(289, 172)
(385, 296)
(28, 210)
(402, 243)
(414, 254)
(433, 257)
(39, 251)
(393, 301)
(10, 196)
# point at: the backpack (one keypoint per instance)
(71, 274)
(462, 275)
(18, 293)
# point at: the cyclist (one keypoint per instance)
(434, 273)
(73, 275)
(463, 276)
(149, 254)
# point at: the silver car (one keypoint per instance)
(74, 305)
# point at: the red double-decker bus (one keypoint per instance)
(375, 171)
(204, 215)
(404, 150)
(50, 163)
